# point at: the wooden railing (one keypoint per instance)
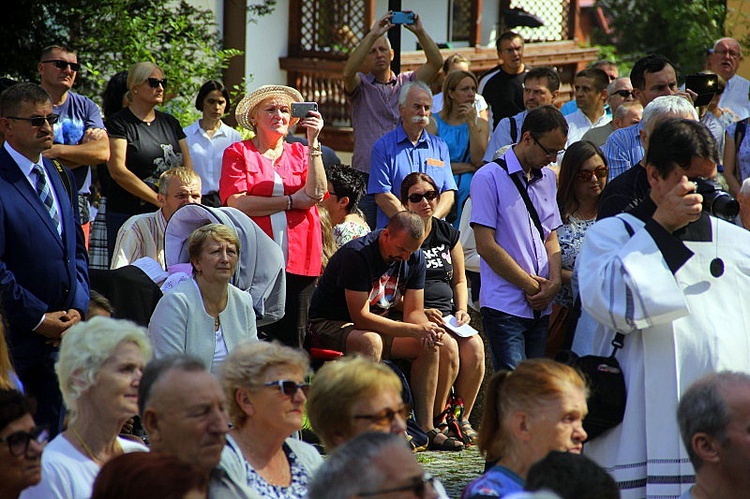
(320, 79)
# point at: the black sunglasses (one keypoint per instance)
(418, 486)
(384, 418)
(18, 442)
(288, 387)
(60, 64)
(417, 198)
(155, 82)
(624, 93)
(38, 120)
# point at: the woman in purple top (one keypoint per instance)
(537, 408)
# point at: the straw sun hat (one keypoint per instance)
(248, 104)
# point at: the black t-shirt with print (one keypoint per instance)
(152, 149)
(438, 292)
(358, 266)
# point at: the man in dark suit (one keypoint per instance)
(43, 264)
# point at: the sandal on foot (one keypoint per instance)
(470, 434)
(450, 443)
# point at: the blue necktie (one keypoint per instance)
(45, 194)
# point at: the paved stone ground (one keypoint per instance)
(454, 469)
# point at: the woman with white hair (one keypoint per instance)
(278, 185)
(265, 388)
(100, 367)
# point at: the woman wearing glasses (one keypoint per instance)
(355, 395)
(99, 370)
(446, 292)
(265, 388)
(21, 443)
(205, 316)
(582, 178)
(143, 144)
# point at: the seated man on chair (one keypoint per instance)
(363, 280)
(143, 235)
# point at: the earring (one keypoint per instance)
(135, 91)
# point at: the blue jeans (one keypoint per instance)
(369, 209)
(513, 339)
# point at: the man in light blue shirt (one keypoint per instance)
(409, 148)
(540, 87)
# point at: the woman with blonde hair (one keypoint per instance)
(265, 388)
(99, 369)
(354, 395)
(278, 185)
(537, 408)
(463, 129)
(143, 143)
(205, 316)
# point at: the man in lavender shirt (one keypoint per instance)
(374, 95)
(520, 266)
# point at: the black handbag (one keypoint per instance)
(607, 392)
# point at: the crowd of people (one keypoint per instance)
(225, 269)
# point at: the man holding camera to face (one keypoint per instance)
(666, 274)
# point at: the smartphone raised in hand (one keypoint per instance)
(402, 17)
(703, 84)
(301, 109)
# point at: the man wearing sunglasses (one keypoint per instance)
(80, 137)
(516, 236)
(620, 92)
(43, 261)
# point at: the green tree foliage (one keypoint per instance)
(111, 35)
(681, 31)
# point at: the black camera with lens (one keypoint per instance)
(716, 201)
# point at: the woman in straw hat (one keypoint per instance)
(278, 185)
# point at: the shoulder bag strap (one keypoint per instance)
(513, 129)
(525, 196)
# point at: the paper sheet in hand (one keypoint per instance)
(463, 331)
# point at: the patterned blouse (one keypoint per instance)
(296, 489)
(571, 238)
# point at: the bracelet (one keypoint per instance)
(316, 151)
(289, 204)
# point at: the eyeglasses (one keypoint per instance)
(418, 486)
(624, 93)
(600, 173)
(288, 387)
(155, 82)
(38, 120)
(417, 198)
(60, 64)
(18, 442)
(384, 418)
(731, 53)
(550, 154)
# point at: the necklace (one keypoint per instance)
(88, 451)
(217, 323)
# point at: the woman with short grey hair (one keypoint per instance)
(100, 367)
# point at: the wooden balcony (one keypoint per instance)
(319, 79)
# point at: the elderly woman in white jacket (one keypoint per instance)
(205, 316)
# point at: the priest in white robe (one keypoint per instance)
(677, 288)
